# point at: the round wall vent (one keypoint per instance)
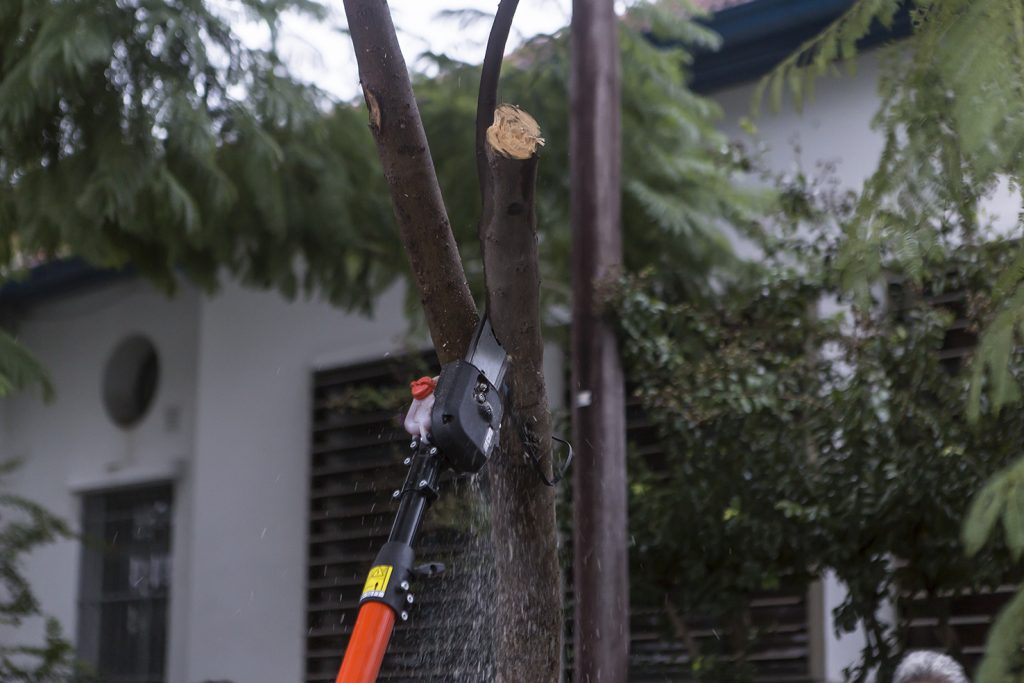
(130, 380)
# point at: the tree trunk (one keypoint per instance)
(415, 193)
(529, 590)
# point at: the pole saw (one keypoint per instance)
(454, 426)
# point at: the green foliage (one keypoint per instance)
(1001, 499)
(952, 119)
(19, 370)
(1003, 662)
(25, 526)
(146, 133)
(797, 440)
(818, 56)
(983, 514)
(679, 169)
(992, 368)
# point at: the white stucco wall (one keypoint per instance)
(833, 127)
(236, 370)
(257, 354)
(70, 446)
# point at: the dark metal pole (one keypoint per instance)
(599, 477)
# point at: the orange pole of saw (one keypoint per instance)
(369, 641)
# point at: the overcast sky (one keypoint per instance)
(317, 52)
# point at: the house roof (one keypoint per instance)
(716, 5)
(756, 35)
(55, 277)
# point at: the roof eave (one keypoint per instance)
(757, 35)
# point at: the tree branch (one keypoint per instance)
(415, 193)
(529, 586)
(681, 631)
(487, 100)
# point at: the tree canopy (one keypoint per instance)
(147, 133)
(799, 436)
(952, 98)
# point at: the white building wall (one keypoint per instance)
(70, 446)
(229, 427)
(833, 127)
(257, 353)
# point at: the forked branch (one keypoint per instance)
(415, 193)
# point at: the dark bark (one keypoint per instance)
(599, 475)
(529, 585)
(528, 591)
(487, 99)
(415, 193)
(742, 625)
(681, 631)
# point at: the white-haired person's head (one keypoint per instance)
(929, 667)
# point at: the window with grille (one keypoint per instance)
(125, 584)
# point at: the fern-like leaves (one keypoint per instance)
(819, 55)
(19, 370)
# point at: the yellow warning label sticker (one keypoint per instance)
(377, 582)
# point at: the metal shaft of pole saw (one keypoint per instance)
(386, 593)
(462, 419)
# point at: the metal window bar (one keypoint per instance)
(125, 583)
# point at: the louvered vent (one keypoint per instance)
(782, 654)
(957, 624)
(357, 452)
(358, 447)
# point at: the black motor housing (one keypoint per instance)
(466, 418)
